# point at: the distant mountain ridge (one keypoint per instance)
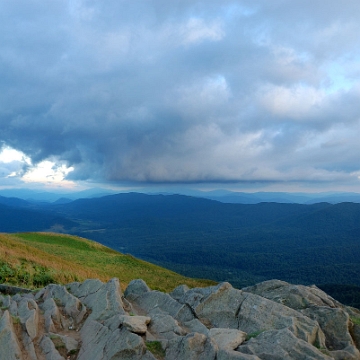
(47, 196)
(224, 196)
(283, 197)
(240, 243)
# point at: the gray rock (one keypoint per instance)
(106, 301)
(13, 308)
(6, 301)
(179, 292)
(101, 343)
(72, 305)
(10, 349)
(52, 315)
(135, 324)
(194, 297)
(217, 306)
(257, 313)
(40, 293)
(335, 324)
(127, 305)
(156, 300)
(88, 287)
(69, 342)
(228, 339)
(288, 322)
(225, 307)
(28, 295)
(135, 288)
(123, 344)
(165, 326)
(294, 296)
(193, 346)
(29, 346)
(355, 331)
(49, 349)
(226, 354)
(112, 323)
(345, 354)
(196, 325)
(353, 312)
(17, 297)
(28, 313)
(94, 337)
(281, 345)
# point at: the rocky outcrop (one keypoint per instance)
(96, 321)
(334, 319)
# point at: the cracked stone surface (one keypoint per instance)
(96, 321)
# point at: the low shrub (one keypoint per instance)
(25, 274)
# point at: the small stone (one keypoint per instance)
(135, 324)
(227, 338)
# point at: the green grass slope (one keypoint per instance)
(37, 259)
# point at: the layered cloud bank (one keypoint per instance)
(193, 92)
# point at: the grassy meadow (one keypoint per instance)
(34, 260)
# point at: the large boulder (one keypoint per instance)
(331, 315)
(225, 307)
(103, 299)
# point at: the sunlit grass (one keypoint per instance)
(69, 258)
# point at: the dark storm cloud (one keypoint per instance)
(190, 91)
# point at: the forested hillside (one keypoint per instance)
(244, 244)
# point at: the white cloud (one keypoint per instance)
(301, 103)
(9, 155)
(48, 172)
(196, 30)
(15, 164)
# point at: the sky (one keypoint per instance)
(246, 95)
